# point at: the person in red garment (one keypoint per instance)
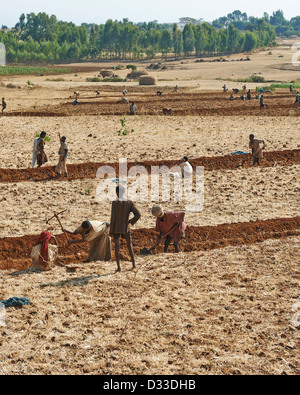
(44, 254)
(165, 221)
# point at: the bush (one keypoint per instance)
(94, 79)
(131, 66)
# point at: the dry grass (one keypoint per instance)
(224, 312)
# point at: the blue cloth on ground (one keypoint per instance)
(15, 302)
(239, 153)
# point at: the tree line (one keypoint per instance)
(240, 20)
(44, 39)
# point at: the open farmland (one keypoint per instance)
(228, 303)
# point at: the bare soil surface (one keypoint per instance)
(228, 303)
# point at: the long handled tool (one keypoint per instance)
(145, 251)
(56, 215)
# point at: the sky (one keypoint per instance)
(168, 11)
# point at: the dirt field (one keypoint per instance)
(228, 303)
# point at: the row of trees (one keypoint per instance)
(241, 21)
(43, 39)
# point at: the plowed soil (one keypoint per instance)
(183, 104)
(15, 252)
(89, 170)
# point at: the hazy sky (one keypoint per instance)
(98, 11)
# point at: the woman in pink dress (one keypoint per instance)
(169, 221)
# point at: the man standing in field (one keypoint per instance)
(120, 223)
(262, 103)
(63, 154)
(167, 221)
(132, 108)
(38, 153)
(3, 105)
(256, 149)
(95, 233)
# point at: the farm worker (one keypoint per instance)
(224, 88)
(95, 233)
(262, 103)
(186, 167)
(165, 221)
(63, 154)
(297, 97)
(132, 108)
(291, 88)
(256, 149)
(120, 224)
(231, 97)
(249, 96)
(124, 92)
(166, 110)
(44, 254)
(3, 104)
(38, 153)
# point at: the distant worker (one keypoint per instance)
(176, 88)
(224, 88)
(297, 101)
(98, 93)
(38, 153)
(262, 103)
(166, 110)
(291, 88)
(124, 92)
(120, 224)
(249, 96)
(186, 167)
(169, 221)
(159, 93)
(132, 108)
(256, 149)
(63, 154)
(3, 105)
(243, 97)
(244, 88)
(231, 97)
(76, 95)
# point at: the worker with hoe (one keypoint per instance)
(120, 224)
(96, 233)
(256, 149)
(170, 223)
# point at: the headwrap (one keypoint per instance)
(43, 240)
(158, 211)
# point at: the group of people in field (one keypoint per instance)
(39, 155)
(259, 96)
(170, 225)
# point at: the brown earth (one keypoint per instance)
(182, 104)
(15, 252)
(89, 170)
